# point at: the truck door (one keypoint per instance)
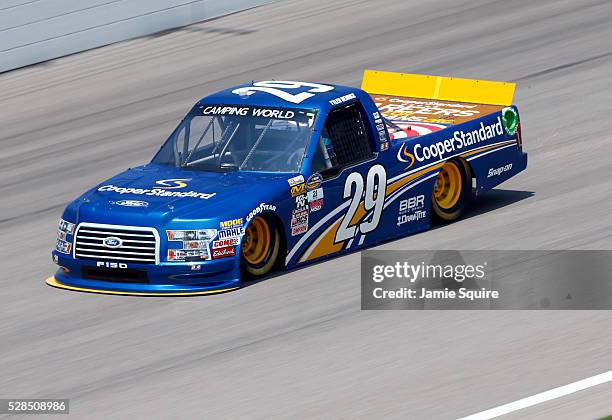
(347, 188)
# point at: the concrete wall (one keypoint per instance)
(32, 31)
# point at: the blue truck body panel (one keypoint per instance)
(147, 201)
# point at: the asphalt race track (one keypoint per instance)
(297, 345)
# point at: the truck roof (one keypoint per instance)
(307, 95)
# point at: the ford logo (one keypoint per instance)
(132, 203)
(112, 242)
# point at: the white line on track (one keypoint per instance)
(542, 397)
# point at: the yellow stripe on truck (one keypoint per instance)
(52, 281)
(438, 87)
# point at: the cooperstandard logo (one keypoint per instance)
(156, 192)
(460, 140)
(160, 189)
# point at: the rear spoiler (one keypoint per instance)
(438, 87)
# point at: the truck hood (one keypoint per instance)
(160, 194)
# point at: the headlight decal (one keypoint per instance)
(62, 243)
(194, 244)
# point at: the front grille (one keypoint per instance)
(116, 275)
(137, 245)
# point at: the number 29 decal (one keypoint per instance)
(280, 88)
(375, 191)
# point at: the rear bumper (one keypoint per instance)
(168, 279)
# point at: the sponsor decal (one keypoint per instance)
(316, 205)
(459, 140)
(259, 209)
(299, 217)
(510, 120)
(234, 232)
(63, 246)
(244, 111)
(55, 259)
(295, 180)
(314, 181)
(298, 189)
(411, 209)
(342, 99)
(405, 218)
(225, 110)
(412, 203)
(298, 230)
(111, 264)
(273, 113)
(131, 203)
(224, 243)
(378, 121)
(174, 183)
(66, 226)
(231, 223)
(196, 267)
(315, 194)
(229, 251)
(404, 130)
(498, 171)
(380, 127)
(300, 201)
(157, 192)
(404, 155)
(112, 242)
(384, 146)
(433, 111)
(376, 115)
(299, 221)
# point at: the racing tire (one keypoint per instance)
(452, 191)
(260, 247)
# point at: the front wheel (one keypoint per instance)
(260, 246)
(451, 191)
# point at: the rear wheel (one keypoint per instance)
(451, 191)
(260, 246)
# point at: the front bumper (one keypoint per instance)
(165, 279)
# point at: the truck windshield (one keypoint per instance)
(229, 137)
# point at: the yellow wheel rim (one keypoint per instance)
(447, 189)
(256, 241)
